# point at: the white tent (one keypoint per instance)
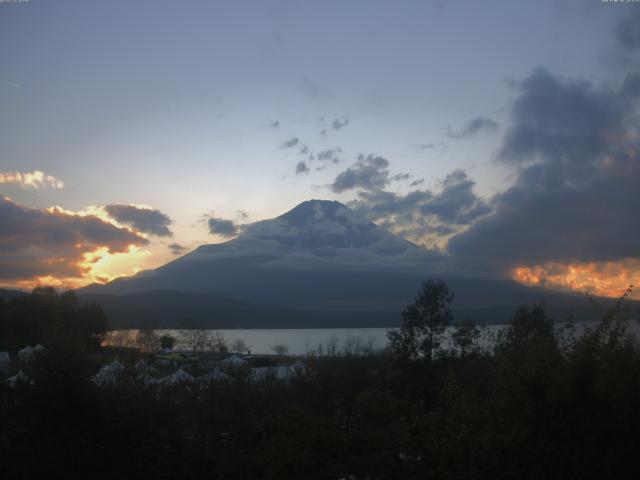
(233, 361)
(109, 374)
(178, 377)
(213, 376)
(145, 372)
(26, 354)
(18, 378)
(262, 373)
(299, 367)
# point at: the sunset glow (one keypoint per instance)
(97, 266)
(609, 279)
(101, 266)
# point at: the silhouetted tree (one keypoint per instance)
(45, 316)
(280, 349)
(240, 346)
(465, 337)
(148, 339)
(424, 322)
(198, 340)
(167, 341)
(219, 343)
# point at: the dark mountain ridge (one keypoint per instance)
(318, 265)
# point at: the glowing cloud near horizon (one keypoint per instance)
(609, 279)
(97, 266)
(67, 249)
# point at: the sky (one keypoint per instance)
(503, 134)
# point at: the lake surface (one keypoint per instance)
(303, 341)
(261, 341)
(297, 341)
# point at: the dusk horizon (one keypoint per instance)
(124, 151)
(323, 240)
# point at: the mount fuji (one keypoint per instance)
(318, 265)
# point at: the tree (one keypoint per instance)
(219, 344)
(280, 349)
(148, 339)
(465, 338)
(198, 340)
(167, 341)
(424, 322)
(240, 346)
(44, 316)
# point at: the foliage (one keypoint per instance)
(219, 344)
(46, 316)
(148, 340)
(167, 341)
(198, 340)
(240, 346)
(424, 322)
(541, 403)
(280, 349)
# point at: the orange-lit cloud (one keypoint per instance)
(608, 279)
(64, 249)
(99, 266)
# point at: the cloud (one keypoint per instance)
(35, 179)
(430, 146)
(559, 121)
(144, 220)
(400, 177)
(304, 150)
(292, 142)
(339, 123)
(301, 167)
(41, 243)
(177, 249)
(330, 155)
(627, 32)
(576, 192)
(326, 236)
(457, 203)
(473, 127)
(369, 172)
(222, 227)
(423, 212)
(325, 157)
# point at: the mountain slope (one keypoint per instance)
(320, 264)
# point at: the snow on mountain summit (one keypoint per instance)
(320, 234)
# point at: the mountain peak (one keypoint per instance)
(316, 210)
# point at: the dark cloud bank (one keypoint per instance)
(574, 148)
(416, 213)
(142, 219)
(423, 212)
(368, 172)
(222, 227)
(40, 242)
(576, 194)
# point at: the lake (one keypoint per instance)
(300, 341)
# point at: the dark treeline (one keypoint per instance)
(44, 316)
(541, 403)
